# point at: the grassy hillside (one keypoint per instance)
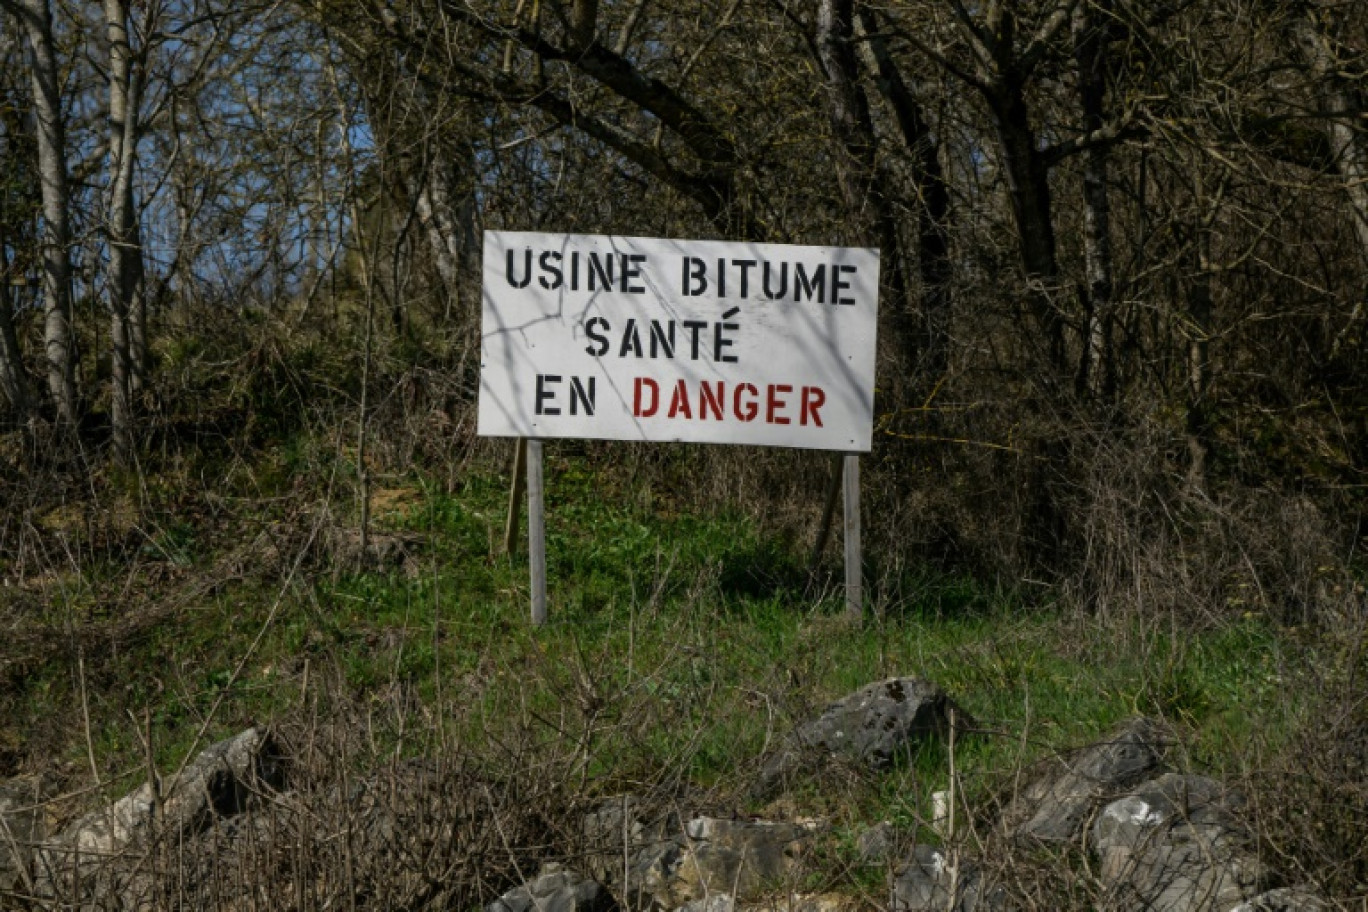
(685, 637)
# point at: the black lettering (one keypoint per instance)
(631, 270)
(578, 396)
(801, 285)
(694, 326)
(658, 335)
(745, 267)
(574, 270)
(554, 270)
(602, 270)
(838, 286)
(721, 277)
(600, 346)
(720, 342)
(543, 394)
(783, 281)
(631, 340)
(527, 269)
(695, 270)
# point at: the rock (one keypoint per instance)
(878, 844)
(634, 849)
(1176, 844)
(934, 881)
(870, 728)
(219, 782)
(22, 826)
(819, 902)
(1285, 899)
(653, 861)
(800, 902)
(718, 902)
(555, 889)
(740, 857)
(1055, 805)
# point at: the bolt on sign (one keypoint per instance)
(617, 338)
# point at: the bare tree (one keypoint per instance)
(35, 17)
(125, 280)
(14, 161)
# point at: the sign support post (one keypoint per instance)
(854, 583)
(536, 530)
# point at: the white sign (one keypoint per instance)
(617, 338)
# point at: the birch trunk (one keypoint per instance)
(1344, 105)
(55, 237)
(1096, 373)
(448, 221)
(125, 255)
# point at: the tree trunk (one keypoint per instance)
(1344, 105)
(1096, 372)
(848, 111)
(448, 221)
(13, 382)
(56, 231)
(1028, 187)
(933, 215)
(125, 254)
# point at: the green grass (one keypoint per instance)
(679, 645)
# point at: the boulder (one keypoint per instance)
(555, 889)
(741, 857)
(22, 826)
(800, 902)
(656, 861)
(718, 902)
(1055, 805)
(878, 844)
(218, 782)
(634, 848)
(1284, 899)
(934, 880)
(868, 728)
(1177, 844)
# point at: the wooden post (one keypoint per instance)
(854, 583)
(515, 496)
(536, 531)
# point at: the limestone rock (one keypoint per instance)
(740, 857)
(555, 889)
(718, 902)
(878, 844)
(869, 728)
(1285, 899)
(655, 861)
(1055, 805)
(1177, 844)
(218, 782)
(22, 826)
(933, 880)
(634, 848)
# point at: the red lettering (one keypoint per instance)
(711, 396)
(773, 403)
(679, 402)
(813, 399)
(645, 383)
(745, 410)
